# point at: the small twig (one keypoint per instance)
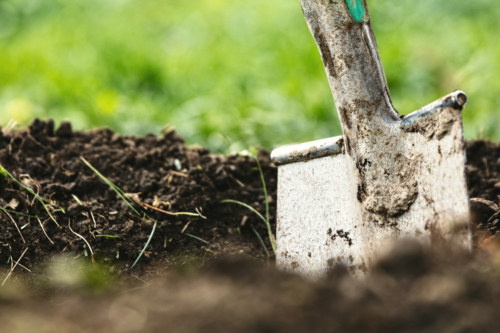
(138, 278)
(41, 225)
(185, 227)
(93, 219)
(236, 180)
(244, 220)
(179, 174)
(169, 213)
(91, 252)
(485, 161)
(197, 210)
(24, 268)
(36, 184)
(77, 200)
(36, 142)
(105, 219)
(13, 267)
(16, 226)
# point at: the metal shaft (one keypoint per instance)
(344, 35)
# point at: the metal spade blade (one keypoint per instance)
(342, 200)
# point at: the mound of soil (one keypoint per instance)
(159, 171)
(412, 289)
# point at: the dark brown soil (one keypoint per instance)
(413, 289)
(142, 165)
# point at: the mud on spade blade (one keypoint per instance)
(343, 200)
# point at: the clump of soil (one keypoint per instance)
(411, 289)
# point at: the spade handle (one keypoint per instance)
(344, 35)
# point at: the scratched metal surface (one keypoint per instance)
(319, 221)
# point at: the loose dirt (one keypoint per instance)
(208, 272)
(158, 171)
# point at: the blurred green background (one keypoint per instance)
(232, 74)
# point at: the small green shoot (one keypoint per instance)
(261, 241)
(266, 220)
(265, 191)
(77, 200)
(111, 236)
(271, 236)
(198, 238)
(147, 244)
(3, 174)
(14, 212)
(115, 188)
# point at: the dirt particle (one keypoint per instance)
(64, 130)
(345, 235)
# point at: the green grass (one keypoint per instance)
(195, 237)
(111, 236)
(266, 220)
(45, 203)
(232, 74)
(125, 198)
(129, 203)
(115, 188)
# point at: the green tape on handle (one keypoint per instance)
(357, 10)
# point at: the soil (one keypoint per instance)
(181, 178)
(208, 273)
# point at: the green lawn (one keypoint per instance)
(232, 74)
